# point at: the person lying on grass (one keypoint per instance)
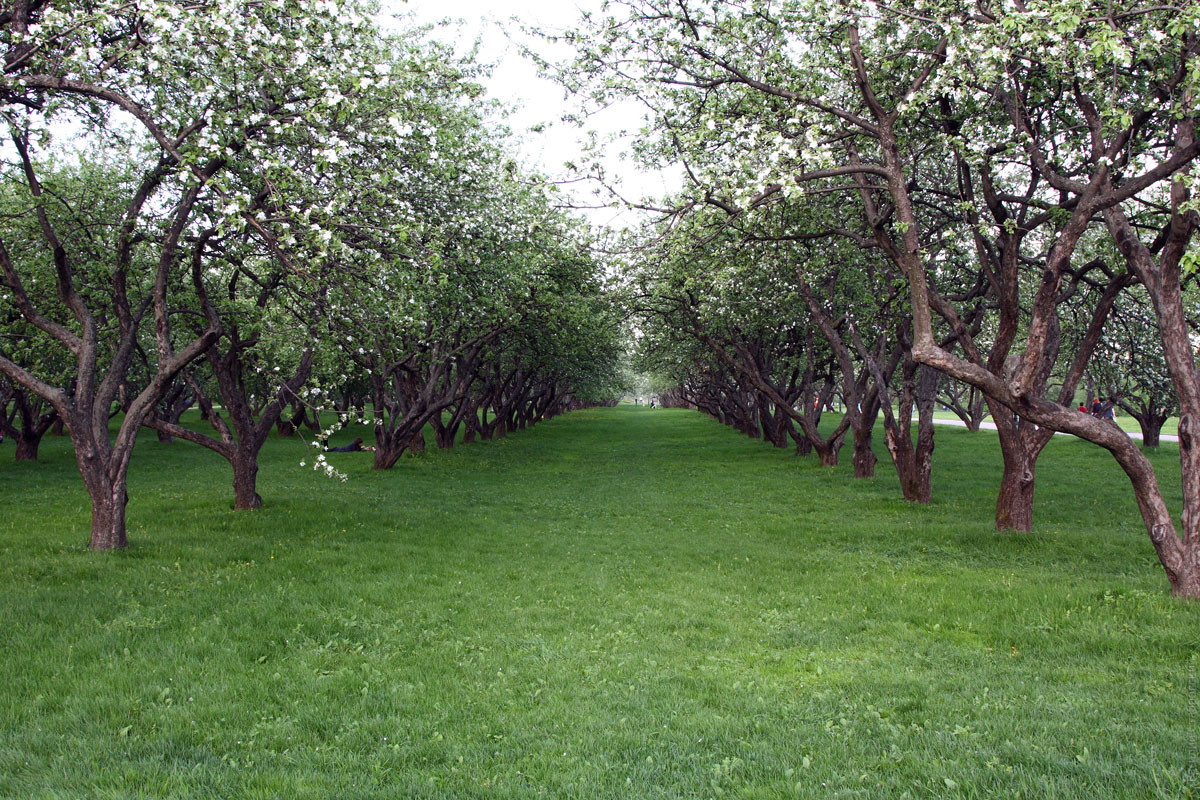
(354, 447)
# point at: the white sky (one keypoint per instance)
(515, 82)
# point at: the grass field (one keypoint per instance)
(620, 603)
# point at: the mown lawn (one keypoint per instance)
(619, 603)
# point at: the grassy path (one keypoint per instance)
(618, 603)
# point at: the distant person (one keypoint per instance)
(1083, 408)
(1097, 407)
(354, 447)
(652, 404)
(1108, 409)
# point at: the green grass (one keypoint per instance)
(619, 603)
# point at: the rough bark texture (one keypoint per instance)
(108, 519)
(914, 460)
(1014, 503)
(105, 480)
(863, 457)
(27, 447)
(245, 482)
(1151, 430)
(826, 456)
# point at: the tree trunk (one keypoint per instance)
(1150, 434)
(245, 482)
(864, 457)
(1021, 442)
(803, 445)
(914, 468)
(1151, 425)
(975, 420)
(771, 424)
(972, 411)
(388, 448)
(1014, 505)
(470, 421)
(108, 505)
(1179, 556)
(27, 446)
(1187, 584)
(391, 444)
(445, 436)
(471, 426)
(108, 523)
(914, 463)
(827, 453)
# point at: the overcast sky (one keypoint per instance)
(539, 102)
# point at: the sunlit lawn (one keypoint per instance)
(618, 603)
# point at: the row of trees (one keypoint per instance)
(888, 197)
(262, 208)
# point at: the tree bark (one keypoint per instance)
(245, 481)
(913, 462)
(27, 447)
(863, 425)
(108, 519)
(827, 454)
(1014, 503)
(1151, 429)
(105, 481)
(803, 444)
(864, 457)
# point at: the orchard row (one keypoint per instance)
(265, 209)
